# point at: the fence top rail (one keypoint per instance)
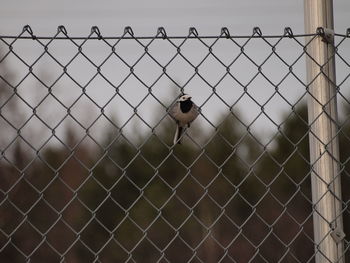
(95, 34)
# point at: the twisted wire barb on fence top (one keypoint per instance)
(128, 33)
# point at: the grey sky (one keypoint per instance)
(144, 16)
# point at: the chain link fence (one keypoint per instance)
(89, 172)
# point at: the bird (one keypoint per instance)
(184, 111)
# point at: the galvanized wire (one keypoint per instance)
(230, 197)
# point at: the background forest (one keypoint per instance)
(144, 201)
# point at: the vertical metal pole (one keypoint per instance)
(324, 144)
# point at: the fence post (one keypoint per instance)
(324, 143)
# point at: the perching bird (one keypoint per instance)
(184, 111)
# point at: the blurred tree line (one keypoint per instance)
(143, 201)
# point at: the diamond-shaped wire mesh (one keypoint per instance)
(89, 172)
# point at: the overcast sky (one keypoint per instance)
(145, 16)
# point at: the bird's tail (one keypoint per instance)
(178, 134)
